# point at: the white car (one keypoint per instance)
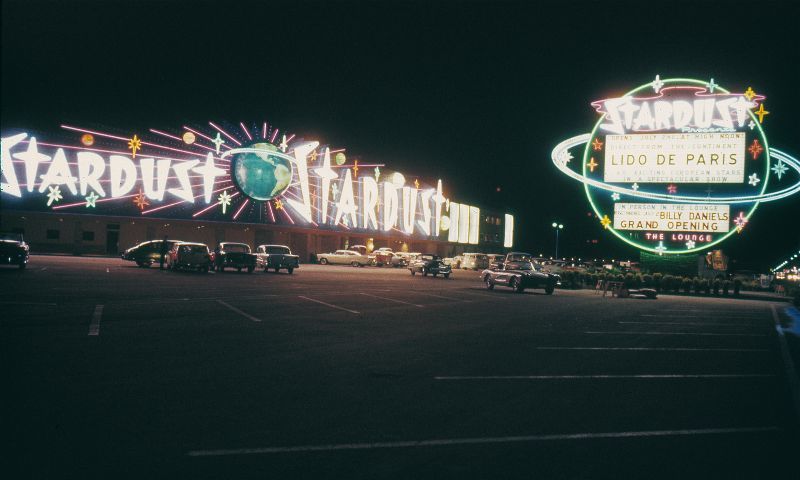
(343, 257)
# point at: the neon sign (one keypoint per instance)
(678, 165)
(221, 174)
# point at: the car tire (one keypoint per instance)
(489, 283)
(516, 285)
(413, 272)
(424, 273)
(323, 261)
(549, 289)
(355, 264)
(290, 270)
(446, 275)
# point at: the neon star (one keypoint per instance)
(218, 141)
(672, 188)
(377, 173)
(283, 144)
(779, 169)
(635, 186)
(761, 112)
(416, 183)
(355, 168)
(592, 164)
(752, 124)
(278, 204)
(711, 86)
(140, 200)
(740, 222)
(755, 149)
(754, 179)
(134, 144)
(313, 156)
(224, 200)
(91, 200)
(749, 94)
(54, 195)
(597, 145)
(566, 157)
(690, 244)
(605, 221)
(657, 84)
(615, 196)
(661, 248)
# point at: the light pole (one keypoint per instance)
(557, 227)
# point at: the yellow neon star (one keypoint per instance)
(278, 204)
(592, 164)
(313, 155)
(355, 168)
(605, 221)
(597, 144)
(140, 200)
(761, 112)
(749, 94)
(416, 183)
(134, 144)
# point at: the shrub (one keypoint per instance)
(657, 278)
(667, 282)
(737, 285)
(647, 280)
(726, 287)
(686, 284)
(706, 286)
(717, 284)
(696, 285)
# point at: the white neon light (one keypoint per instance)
(148, 166)
(425, 223)
(347, 202)
(32, 159)
(463, 223)
(409, 209)
(390, 206)
(11, 185)
(452, 234)
(182, 172)
(123, 175)
(474, 225)
(326, 173)
(300, 159)
(369, 196)
(59, 174)
(90, 167)
(210, 172)
(508, 238)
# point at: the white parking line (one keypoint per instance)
(659, 349)
(28, 303)
(479, 441)
(329, 305)
(234, 309)
(392, 300)
(704, 324)
(710, 317)
(441, 296)
(94, 325)
(681, 333)
(788, 364)
(604, 377)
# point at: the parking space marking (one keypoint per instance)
(702, 334)
(236, 310)
(605, 377)
(672, 315)
(441, 296)
(658, 349)
(703, 324)
(329, 305)
(94, 325)
(392, 300)
(788, 364)
(29, 303)
(481, 441)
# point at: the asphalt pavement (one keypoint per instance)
(115, 371)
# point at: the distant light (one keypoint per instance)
(87, 139)
(555, 224)
(189, 138)
(340, 158)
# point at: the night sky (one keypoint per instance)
(474, 93)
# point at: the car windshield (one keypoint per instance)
(10, 237)
(236, 248)
(280, 250)
(521, 266)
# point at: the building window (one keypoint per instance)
(88, 236)
(53, 234)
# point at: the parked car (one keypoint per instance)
(188, 255)
(234, 255)
(519, 275)
(382, 256)
(148, 253)
(475, 261)
(429, 264)
(495, 259)
(14, 250)
(276, 257)
(343, 257)
(400, 260)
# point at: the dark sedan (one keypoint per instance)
(13, 250)
(429, 264)
(520, 275)
(148, 253)
(234, 255)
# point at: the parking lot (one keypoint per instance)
(342, 372)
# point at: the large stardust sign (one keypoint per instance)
(678, 165)
(253, 175)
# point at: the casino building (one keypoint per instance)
(89, 192)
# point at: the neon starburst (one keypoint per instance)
(740, 222)
(224, 200)
(140, 200)
(660, 248)
(749, 93)
(753, 179)
(779, 169)
(597, 145)
(91, 200)
(278, 204)
(755, 149)
(672, 188)
(605, 221)
(54, 195)
(761, 112)
(134, 145)
(592, 164)
(690, 244)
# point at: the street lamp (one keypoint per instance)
(557, 227)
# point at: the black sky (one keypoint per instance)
(474, 93)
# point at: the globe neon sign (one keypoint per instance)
(678, 165)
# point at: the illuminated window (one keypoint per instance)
(508, 242)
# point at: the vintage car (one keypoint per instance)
(382, 256)
(474, 261)
(234, 255)
(519, 275)
(429, 264)
(343, 257)
(276, 257)
(13, 250)
(148, 253)
(190, 256)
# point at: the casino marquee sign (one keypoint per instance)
(678, 165)
(234, 173)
